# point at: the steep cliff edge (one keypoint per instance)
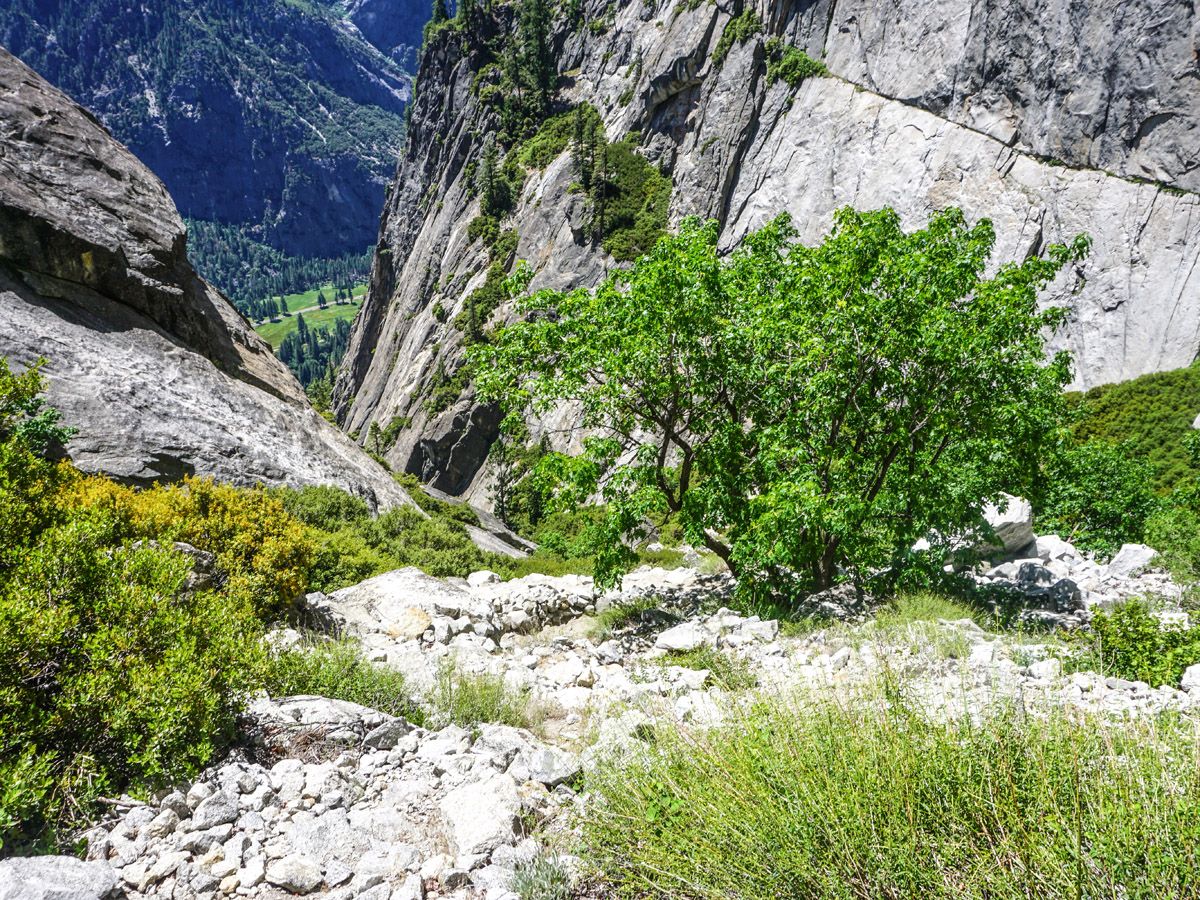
(160, 374)
(1050, 119)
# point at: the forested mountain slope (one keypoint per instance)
(280, 119)
(158, 372)
(1052, 120)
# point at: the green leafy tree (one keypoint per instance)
(487, 181)
(1097, 495)
(805, 413)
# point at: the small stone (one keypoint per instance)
(683, 638)
(163, 824)
(479, 579)
(198, 793)
(299, 876)
(1046, 669)
(387, 735)
(218, 809)
(413, 888)
(1191, 679)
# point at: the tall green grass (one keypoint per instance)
(830, 801)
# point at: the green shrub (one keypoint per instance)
(637, 200)
(1153, 414)
(323, 506)
(737, 31)
(1096, 495)
(542, 878)
(485, 228)
(467, 699)
(336, 669)
(110, 677)
(1174, 530)
(847, 801)
(791, 64)
(550, 140)
(1136, 645)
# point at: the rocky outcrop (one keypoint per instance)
(1051, 120)
(158, 372)
(276, 116)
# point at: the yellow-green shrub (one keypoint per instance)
(265, 553)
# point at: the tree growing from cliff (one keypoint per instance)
(807, 413)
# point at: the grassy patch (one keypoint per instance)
(621, 615)
(830, 801)
(726, 671)
(336, 669)
(737, 31)
(274, 332)
(791, 64)
(467, 699)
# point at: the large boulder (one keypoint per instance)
(400, 604)
(1131, 559)
(160, 374)
(1011, 522)
(55, 878)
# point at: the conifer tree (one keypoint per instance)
(486, 181)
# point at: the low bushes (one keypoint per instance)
(1097, 495)
(834, 801)
(336, 669)
(468, 699)
(1134, 644)
(110, 675)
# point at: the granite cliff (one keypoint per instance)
(160, 374)
(1050, 119)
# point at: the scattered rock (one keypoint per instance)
(293, 874)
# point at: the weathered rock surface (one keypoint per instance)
(55, 878)
(158, 372)
(955, 102)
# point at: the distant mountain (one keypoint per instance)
(280, 118)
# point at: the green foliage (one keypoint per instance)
(486, 228)
(1096, 495)
(1152, 414)
(445, 388)
(636, 200)
(254, 275)
(264, 555)
(791, 64)
(323, 506)
(726, 671)
(801, 411)
(336, 669)
(439, 546)
(467, 699)
(550, 140)
(738, 30)
(486, 299)
(619, 616)
(110, 675)
(542, 878)
(876, 800)
(1134, 644)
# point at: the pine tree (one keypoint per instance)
(321, 299)
(537, 65)
(599, 189)
(486, 181)
(579, 149)
(439, 12)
